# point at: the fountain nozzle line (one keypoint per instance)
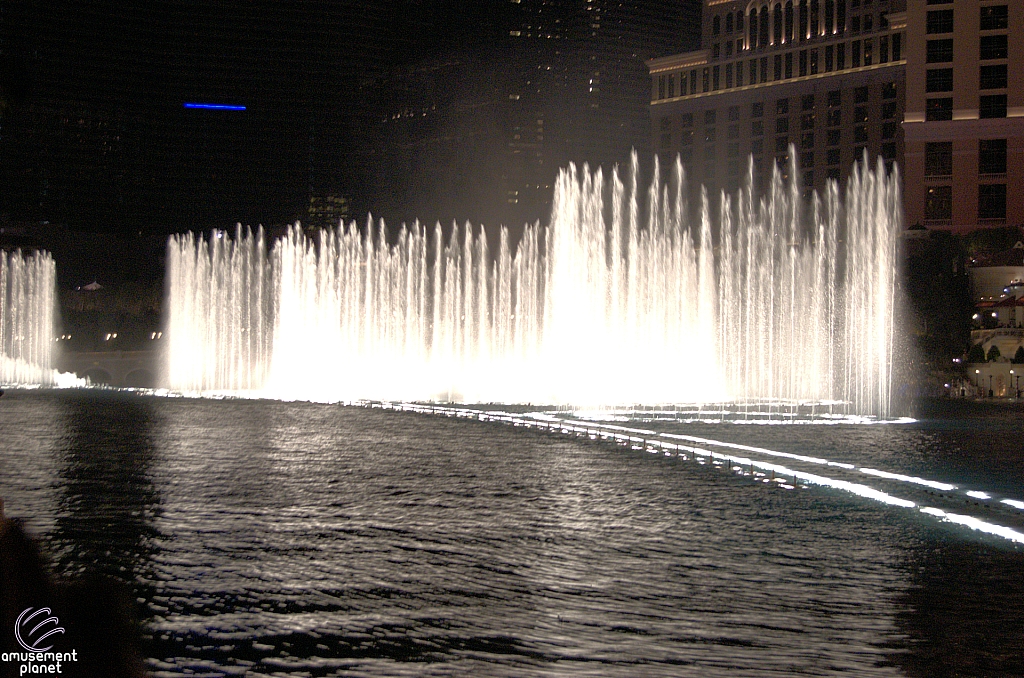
(622, 433)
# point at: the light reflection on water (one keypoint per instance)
(309, 539)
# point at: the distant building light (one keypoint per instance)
(216, 107)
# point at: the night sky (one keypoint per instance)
(94, 135)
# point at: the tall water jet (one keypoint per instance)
(767, 299)
(27, 303)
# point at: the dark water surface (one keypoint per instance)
(316, 540)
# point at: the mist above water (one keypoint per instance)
(628, 296)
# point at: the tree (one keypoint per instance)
(976, 354)
(1018, 357)
(993, 353)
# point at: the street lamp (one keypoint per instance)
(990, 386)
(977, 380)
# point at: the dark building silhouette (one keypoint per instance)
(476, 130)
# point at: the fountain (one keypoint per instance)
(27, 302)
(769, 300)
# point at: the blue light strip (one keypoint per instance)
(216, 107)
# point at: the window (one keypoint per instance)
(889, 151)
(687, 119)
(830, 58)
(739, 21)
(860, 95)
(686, 138)
(832, 175)
(835, 97)
(868, 22)
(739, 74)
(807, 121)
(889, 109)
(778, 67)
(728, 49)
(733, 150)
(807, 140)
(764, 69)
(809, 178)
(671, 86)
(716, 25)
(940, 21)
(709, 135)
(789, 65)
(834, 137)
(734, 113)
(992, 201)
(940, 51)
(661, 87)
(889, 90)
(939, 80)
(855, 54)
(832, 156)
(803, 62)
(994, 18)
(938, 203)
(897, 46)
(835, 117)
(807, 102)
(855, 24)
(993, 77)
(757, 146)
(814, 61)
(993, 47)
(757, 128)
(807, 159)
(781, 125)
(753, 71)
(889, 130)
(992, 156)
(883, 49)
(860, 114)
(757, 109)
(716, 50)
(666, 124)
(867, 51)
(841, 55)
(782, 106)
(939, 109)
(733, 132)
(693, 81)
(938, 159)
(709, 117)
(781, 144)
(666, 140)
(860, 134)
(706, 78)
(728, 22)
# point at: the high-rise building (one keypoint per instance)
(478, 133)
(825, 77)
(964, 121)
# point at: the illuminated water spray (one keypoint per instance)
(621, 299)
(27, 302)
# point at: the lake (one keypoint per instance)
(298, 539)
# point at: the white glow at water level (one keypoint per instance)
(768, 298)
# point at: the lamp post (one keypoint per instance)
(977, 380)
(990, 386)
(1011, 377)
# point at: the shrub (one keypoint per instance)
(993, 353)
